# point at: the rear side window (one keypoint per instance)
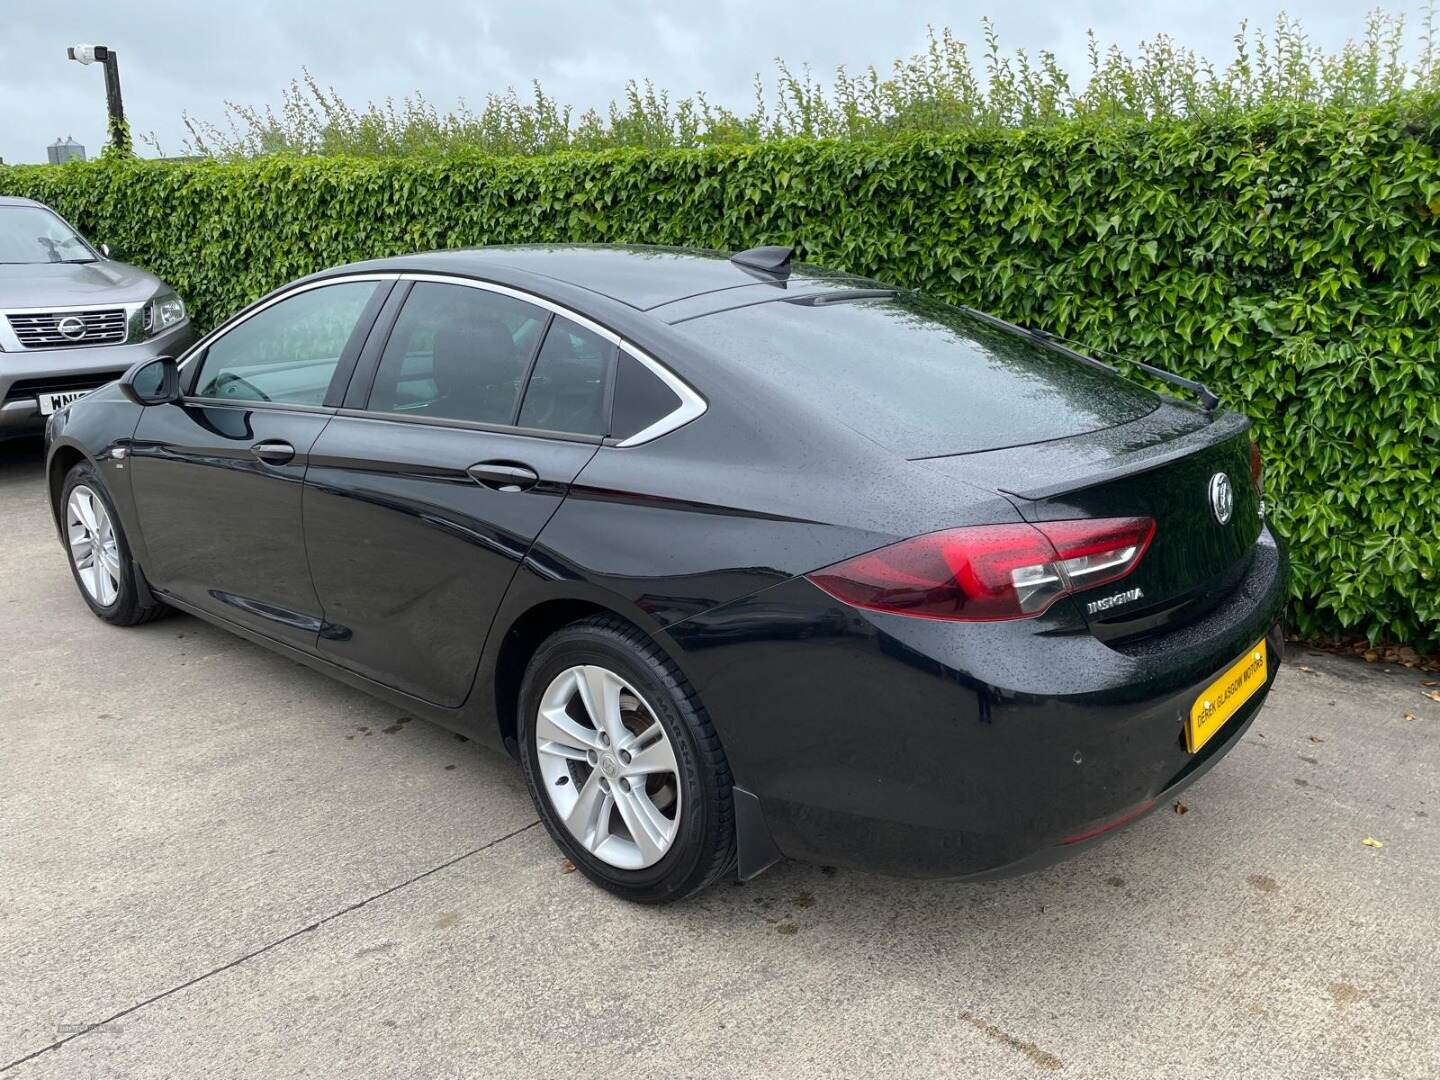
(920, 377)
(568, 388)
(640, 398)
(458, 353)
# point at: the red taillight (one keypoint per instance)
(989, 572)
(1257, 477)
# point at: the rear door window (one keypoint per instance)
(569, 387)
(922, 378)
(458, 353)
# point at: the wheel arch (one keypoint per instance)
(526, 630)
(62, 459)
(518, 633)
(521, 639)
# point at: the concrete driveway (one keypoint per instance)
(218, 863)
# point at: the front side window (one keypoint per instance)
(458, 353)
(288, 352)
(567, 389)
(32, 234)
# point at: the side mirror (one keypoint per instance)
(152, 382)
(105, 250)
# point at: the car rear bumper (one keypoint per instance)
(923, 748)
(26, 374)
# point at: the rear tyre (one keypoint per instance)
(623, 764)
(99, 556)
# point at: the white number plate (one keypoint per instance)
(50, 403)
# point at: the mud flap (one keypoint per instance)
(755, 848)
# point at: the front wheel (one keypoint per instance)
(99, 556)
(624, 766)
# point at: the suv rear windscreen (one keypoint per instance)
(920, 377)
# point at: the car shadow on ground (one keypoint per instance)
(794, 899)
(789, 896)
(21, 458)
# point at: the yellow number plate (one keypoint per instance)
(1224, 696)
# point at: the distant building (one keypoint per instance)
(61, 152)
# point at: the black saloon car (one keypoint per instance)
(741, 559)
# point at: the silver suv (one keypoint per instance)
(71, 318)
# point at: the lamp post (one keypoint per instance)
(101, 54)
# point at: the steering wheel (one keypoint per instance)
(227, 379)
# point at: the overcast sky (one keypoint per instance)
(179, 56)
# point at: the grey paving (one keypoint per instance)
(238, 868)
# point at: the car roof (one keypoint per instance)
(16, 200)
(641, 277)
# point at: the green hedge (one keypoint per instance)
(1284, 259)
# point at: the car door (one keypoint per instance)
(470, 421)
(217, 477)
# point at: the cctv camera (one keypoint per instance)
(88, 54)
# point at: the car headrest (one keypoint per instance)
(476, 362)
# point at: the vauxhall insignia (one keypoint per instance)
(1222, 499)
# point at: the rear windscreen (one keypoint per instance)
(920, 377)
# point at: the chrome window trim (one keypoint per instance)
(257, 406)
(518, 294)
(471, 425)
(691, 406)
(249, 313)
(245, 316)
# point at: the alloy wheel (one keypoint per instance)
(94, 549)
(608, 767)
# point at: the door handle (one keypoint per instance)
(274, 452)
(504, 475)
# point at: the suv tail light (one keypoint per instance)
(988, 573)
(1257, 472)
